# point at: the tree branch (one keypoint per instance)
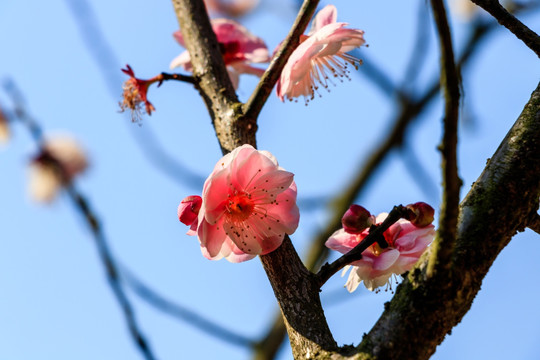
(509, 21)
(498, 205)
(443, 246)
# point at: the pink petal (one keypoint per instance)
(325, 16)
(211, 238)
(215, 196)
(386, 260)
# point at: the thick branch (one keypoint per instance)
(500, 203)
(296, 289)
(529, 37)
(209, 70)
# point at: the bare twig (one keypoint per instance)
(93, 223)
(529, 37)
(108, 64)
(182, 313)
(443, 245)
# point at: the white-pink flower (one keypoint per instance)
(60, 160)
(406, 244)
(248, 205)
(239, 48)
(322, 52)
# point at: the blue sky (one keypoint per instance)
(55, 302)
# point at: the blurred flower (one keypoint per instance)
(135, 94)
(406, 243)
(248, 205)
(322, 51)
(231, 8)
(59, 161)
(239, 48)
(4, 129)
(466, 10)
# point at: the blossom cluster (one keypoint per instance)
(407, 240)
(321, 56)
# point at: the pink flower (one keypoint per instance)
(248, 205)
(233, 8)
(239, 47)
(406, 244)
(322, 51)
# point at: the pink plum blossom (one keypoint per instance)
(239, 47)
(406, 243)
(323, 51)
(248, 205)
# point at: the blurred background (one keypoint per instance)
(64, 57)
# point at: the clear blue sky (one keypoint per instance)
(54, 299)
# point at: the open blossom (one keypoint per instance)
(321, 53)
(232, 8)
(406, 243)
(60, 160)
(239, 48)
(248, 205)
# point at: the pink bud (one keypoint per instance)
(356, 219)
(188, 210)
(420, 214)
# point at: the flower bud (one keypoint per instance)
(356, 219)
(420, 214)
(188, 210)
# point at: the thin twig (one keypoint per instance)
(509, 21)
(103, 55)
(257, 100)
(182, 313)
(91, 219)
(443, 245)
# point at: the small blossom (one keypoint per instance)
(357, 219)
(406, 243)
(135, 94)
(322, 52)
(60, 160)
(4, 129)
(239, 48)
(188, 212)
(231, 8)
(421, 214)
(248, 205)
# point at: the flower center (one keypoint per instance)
(240, 207)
